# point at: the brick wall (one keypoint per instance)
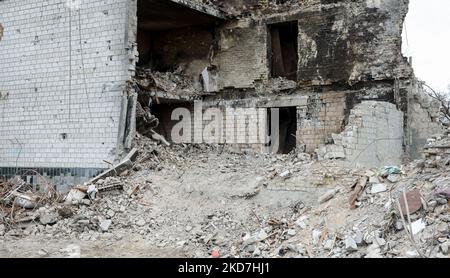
(322, 117)
(242, 57)
(216, 125)
(374, 135)
(62, 73)
(422, 120)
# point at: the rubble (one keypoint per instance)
(153, 202)
(104, 225)
(327, 196)
(378, 188)
(418, 226)
(170, 83)
(48, 218)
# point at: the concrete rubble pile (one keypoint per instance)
(437, 150)
(185, 197)
(168, 83)
(381, 224)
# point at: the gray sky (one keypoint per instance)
(428, 30)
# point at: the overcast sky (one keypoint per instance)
(428, 30)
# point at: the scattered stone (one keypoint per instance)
(442, 228)
(380, 241)
(83, 222)
(444, 247)
(65, 212)
(72, 251)
(141, 222)
(412, 254)
(75, 195)
(292, 232)
(444, 217)
(250, 248)
(443, 192)
(328, 196)
(304, 156)
(42, 253)
(399, 225)
(110, 213)
(300, 223)
(259, 236)
(48, 218)
(181, 243)
(370, 237)
(316, 236)
(373, 252)
(359, 238)
(350, 244)
(431, 205)
(374, 180)
(328, 245)
(393, 178)
(378, 188)
(105, 224)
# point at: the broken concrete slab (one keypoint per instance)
(378, 188)
(75, 195)
(126, 163)
(350, 244)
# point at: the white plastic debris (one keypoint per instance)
(92, 191)
(417, 226)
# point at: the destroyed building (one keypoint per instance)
(75, 74)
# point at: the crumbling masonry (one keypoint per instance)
(71, 77)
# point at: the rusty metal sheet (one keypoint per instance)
(414, 202)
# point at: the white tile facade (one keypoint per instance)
(63, 68)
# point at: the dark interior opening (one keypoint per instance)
(287, 139)
(163, 112)
(170, 34)
(284, 50)
(288, 129)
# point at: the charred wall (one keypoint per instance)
(167, 50)
(352, 41)
(338, 42)
(348, 56)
